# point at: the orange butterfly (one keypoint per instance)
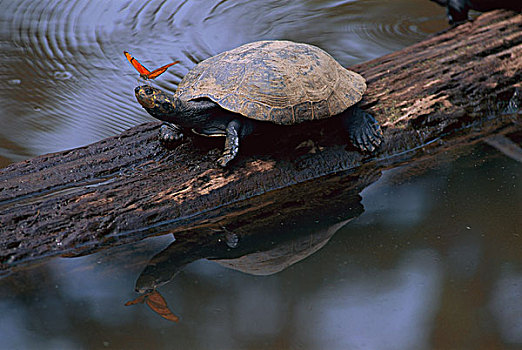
(157, 304)
(144, 72)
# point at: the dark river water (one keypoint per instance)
(433, 261)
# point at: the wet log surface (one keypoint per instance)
(449, 90)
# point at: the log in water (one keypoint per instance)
(445, 91)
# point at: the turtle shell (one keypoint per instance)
(278, 81)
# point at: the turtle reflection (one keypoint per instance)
(296, 222)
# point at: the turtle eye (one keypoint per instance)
(148, 90)
(167, 107)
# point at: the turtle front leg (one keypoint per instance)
(170, 134)
(232, 132)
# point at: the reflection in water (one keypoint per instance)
(282, 251)
(506, 306)
(283, 229)
(282, 255)
(157, 303)
(407, 298)
(64, 82)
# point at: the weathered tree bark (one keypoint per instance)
(448, 90)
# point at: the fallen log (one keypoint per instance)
(448, 90)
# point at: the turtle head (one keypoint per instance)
(159, 104)
(153, 277)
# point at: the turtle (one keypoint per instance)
(272, 81)
(457, 10)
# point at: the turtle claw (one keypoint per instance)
(363, 130)
(170, 134)
(223, 161)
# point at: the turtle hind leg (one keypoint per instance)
(363, 130)
(457, 11)
(170, 134)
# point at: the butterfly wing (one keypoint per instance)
(138, 300)
(156, 72)
(144, 72)
(158, 304)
